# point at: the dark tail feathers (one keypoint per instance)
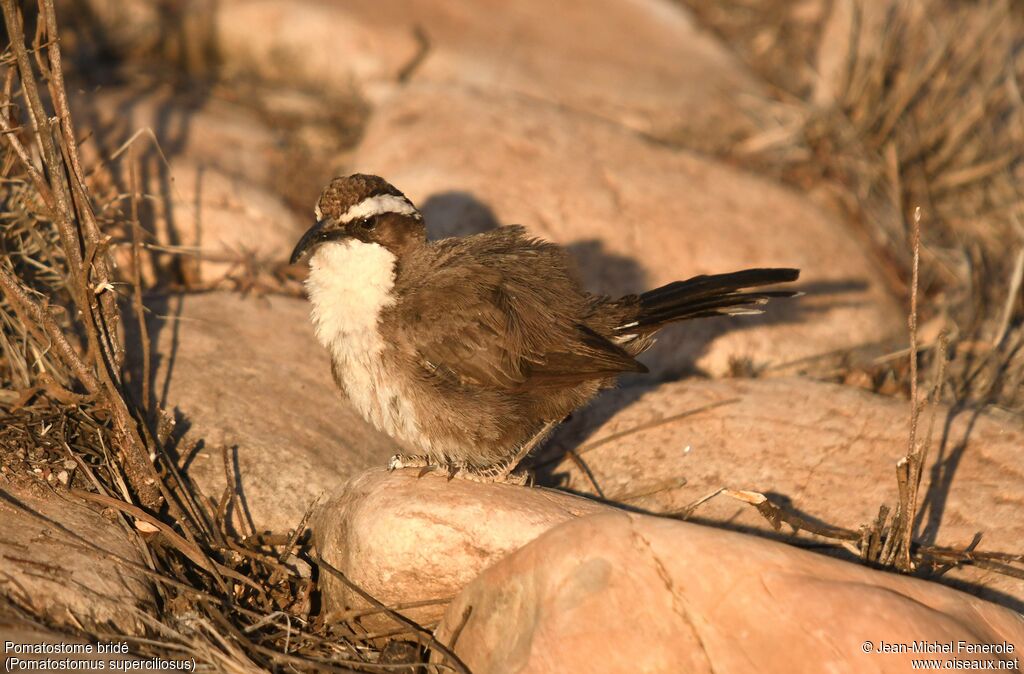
(708, 295)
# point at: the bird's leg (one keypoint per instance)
(497, 472)
(502, 470)
(530, 445)
(423, 462)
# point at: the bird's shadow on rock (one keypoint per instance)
(448, 214)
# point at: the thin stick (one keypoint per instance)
(140, 314)
(108, 313)
(1016, 279)
(662, 485)
(688, 510)
(39, 121)
(909, 468)
(187, 548)
(352, 614)
(35, 316)
(287, 553)
(38, 179)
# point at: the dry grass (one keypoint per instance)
(235, 600)
(776, 38)
(886, 107)
(908, 116)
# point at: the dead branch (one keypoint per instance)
(88, 278)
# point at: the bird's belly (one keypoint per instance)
(373, 387)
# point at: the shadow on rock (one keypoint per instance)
(162, 312)
(456, 213)
(949, 455)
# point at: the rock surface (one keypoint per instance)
(821, 450)
(219, 221)
(172, 125)
(284, 141)
(641, 63)
(59, 557)
(247, 374)
(21, 635)
(211, 176)
(617, 592)
(637, 215)
(405, 538)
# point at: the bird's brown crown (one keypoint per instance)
(366, 208)
(344, 192)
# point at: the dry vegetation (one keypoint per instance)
(908, 118)
(919, 105)
(234, 602)
(926, 113)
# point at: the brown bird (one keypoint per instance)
(468, 351)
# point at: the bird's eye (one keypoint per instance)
(368, 223)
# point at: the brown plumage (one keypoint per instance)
(467, 350)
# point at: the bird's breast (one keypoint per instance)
(350, 284)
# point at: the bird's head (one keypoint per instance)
(366, 208)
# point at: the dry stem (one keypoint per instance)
(88, 276)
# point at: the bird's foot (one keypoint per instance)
(399, 461)
(500, 473)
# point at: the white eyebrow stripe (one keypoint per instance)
(382, 203)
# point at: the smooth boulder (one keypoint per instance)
(618, 592)
(822, 451)
(64, 560)
(644, 64)
(407, 539)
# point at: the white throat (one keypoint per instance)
(349, 284)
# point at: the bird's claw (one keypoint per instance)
(458, 470)
(486, 476)
(399, 461)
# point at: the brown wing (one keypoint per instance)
(475, 326)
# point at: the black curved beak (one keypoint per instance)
(316, 234)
